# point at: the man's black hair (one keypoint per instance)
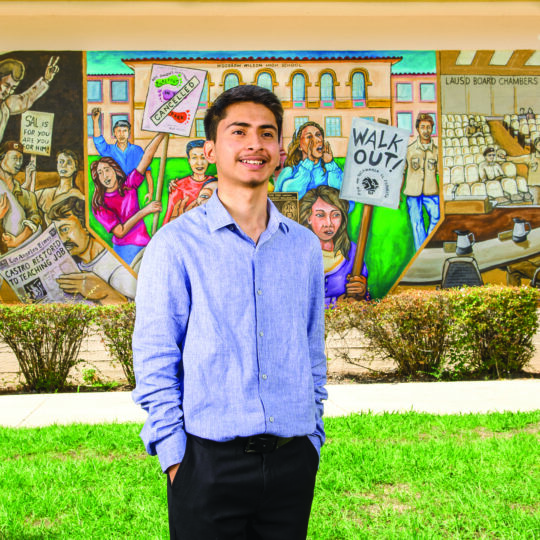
(241, 94)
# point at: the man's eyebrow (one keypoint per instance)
(247, 124)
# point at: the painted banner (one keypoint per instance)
(172, 99)
(374, 165)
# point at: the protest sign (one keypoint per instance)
(375, 162)
(172, 99)
(36, 132)
(31, 270)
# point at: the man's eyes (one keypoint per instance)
(269, 134)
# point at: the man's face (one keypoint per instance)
(107, 176)
(12, 162)
(7, 86)
(312, 142)
(65, 165)
(121, 134)
(424, 130)
(324, 220)
(197, 160)
(74, 236)
(501, 155)
(246, 149)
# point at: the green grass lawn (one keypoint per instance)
(381, 476)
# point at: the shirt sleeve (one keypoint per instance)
(19, 103)
(163, 303)
(102, 146)
(134, 179)
(107, 218)
(316, 341)
(297, 178)
(335, 174)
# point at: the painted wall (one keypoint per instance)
(487, 100)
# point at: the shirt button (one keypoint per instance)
(271, 419)
(264, 376)
(259, 292)
(261, 333)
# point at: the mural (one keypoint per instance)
(101, 149)
(491, 181)
(322, 92)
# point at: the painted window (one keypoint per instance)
(264, 80)
(404, 121)
(231, 80)
(427, 92)
(299, 87)
(333, 126)
(117, 117)
(94, 91)
(358, 85)
(434, 116)
(119, 91)
(404, 91)
(327, 86)
(299, 121)
(204, 93)
(199, 128)
(90, 125)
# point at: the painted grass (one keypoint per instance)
(382, 476)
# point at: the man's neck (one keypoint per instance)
(247, 206)
(7, 178)
(93, 249)
(425, 142)
(122, 145)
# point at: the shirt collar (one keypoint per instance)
(219, 217)
(428, 146)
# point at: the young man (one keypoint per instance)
(421, 188)
(229, 343)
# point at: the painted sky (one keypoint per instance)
(110, 62)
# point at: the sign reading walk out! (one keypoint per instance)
(375, 162)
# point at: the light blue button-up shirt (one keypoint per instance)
(229, 334)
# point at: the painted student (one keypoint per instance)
(322, 211)
(184, 191)
(310, 162)
(115, 203)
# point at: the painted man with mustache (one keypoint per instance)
(103, 279)
(310, 162)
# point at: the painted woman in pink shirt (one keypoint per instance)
(115, 203)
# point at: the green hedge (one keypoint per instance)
(484, 331)
(457, 333)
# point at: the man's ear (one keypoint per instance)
(209, 151)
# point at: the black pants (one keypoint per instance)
(222, 493)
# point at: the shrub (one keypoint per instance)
(493, 329)
(46, 339)
(412, 328)
(116, 323)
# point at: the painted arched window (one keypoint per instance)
(231, 80)
(358, 85)
(299, 87)
(264, 80)
(327, 86)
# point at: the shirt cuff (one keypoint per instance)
(31, 225)
(171, 450)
